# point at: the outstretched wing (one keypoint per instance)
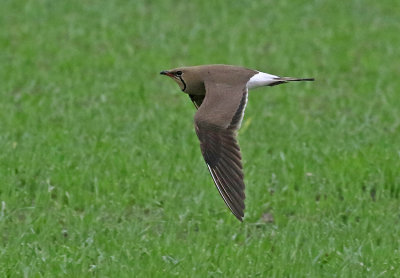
(216, 122)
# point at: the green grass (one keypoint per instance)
(100, 169)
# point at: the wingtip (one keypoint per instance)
(238, 216)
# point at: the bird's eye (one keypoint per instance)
(178, 73)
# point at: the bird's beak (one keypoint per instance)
(167, 73)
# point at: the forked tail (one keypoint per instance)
(280, 80)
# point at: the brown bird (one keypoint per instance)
(219, 92)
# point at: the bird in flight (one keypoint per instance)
(219, 92)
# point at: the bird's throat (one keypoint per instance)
(183, 82)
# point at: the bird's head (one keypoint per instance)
(188, 79)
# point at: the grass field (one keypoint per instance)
(101, 173)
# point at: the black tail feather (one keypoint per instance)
(281, 80)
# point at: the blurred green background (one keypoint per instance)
(101, 173)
